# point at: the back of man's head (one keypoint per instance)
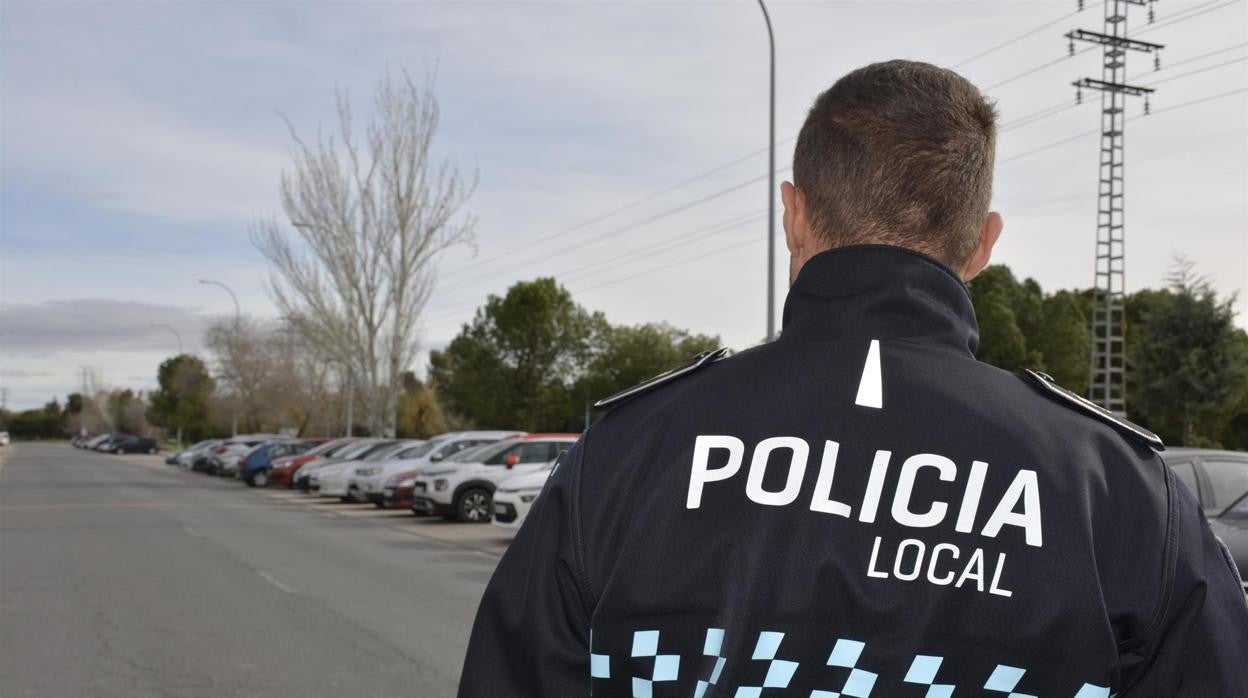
(899, 153)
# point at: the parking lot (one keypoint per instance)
(123, 576)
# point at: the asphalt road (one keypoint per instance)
(121, 576)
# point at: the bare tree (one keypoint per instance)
(355, 273)
(274, 378)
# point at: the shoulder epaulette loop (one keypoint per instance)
(1050, 387)
(703, 359)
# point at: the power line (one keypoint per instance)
(650, 197)
(584, 242)
(1155, 112)
(1182, 16)
(1198, 71)
(665, 267)
(1018, 156)
(1186, 14)
(1193, 59)
(1066, 105)
(1011, 42)
(696, 235)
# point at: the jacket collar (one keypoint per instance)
(881, 292)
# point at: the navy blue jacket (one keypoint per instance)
(861, 508)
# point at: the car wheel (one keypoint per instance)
(473, 506)
(118, 451)
(151, 450)
(345, 499)
(260, 479)
(379, 505)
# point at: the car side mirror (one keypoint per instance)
(511, 460)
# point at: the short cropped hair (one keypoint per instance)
(899, 153)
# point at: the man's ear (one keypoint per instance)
(988, 236)
(796, 222)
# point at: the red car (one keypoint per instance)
(284, 469)
(398, 490)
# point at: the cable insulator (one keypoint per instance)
(1078, 95)
(1072, 47)
(1147, 107)
(1081, 5)
(1156, 62)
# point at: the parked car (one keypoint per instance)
(225, 457)
(332, 481)
(176, 457)
(106, 444)
(398, 490)
(464, 491)
(254, 466)
(4, 438)
(1219, 480)
(133, 444)
(93, 442)
(367, 481)
(515, 496)
(357, 451)
(282, 474)
(186, 457)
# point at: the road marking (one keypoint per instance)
(192, 532)
(272, 580)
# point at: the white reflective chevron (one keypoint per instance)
(871, 385)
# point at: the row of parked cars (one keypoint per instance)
(480, 476)
(469, 476)
(117, 442)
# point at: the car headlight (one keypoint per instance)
(367, 472)
(439, 485)
(529, 496)
(409, 482)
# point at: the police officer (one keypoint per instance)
(860, 508)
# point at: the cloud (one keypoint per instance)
(22, 373)
(94, 325)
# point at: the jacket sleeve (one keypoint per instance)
(1200, 644)
(531, 635)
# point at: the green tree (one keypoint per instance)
(40, 423)
(627, 355)
(1064, 342)
(1190, 361)
(513, 366)
(181, 403)
(1008, 314)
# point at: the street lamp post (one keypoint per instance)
(176, 334)
(237, 322)
(771, 186)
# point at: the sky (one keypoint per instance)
(140, 141)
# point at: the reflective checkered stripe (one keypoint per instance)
(651, 668)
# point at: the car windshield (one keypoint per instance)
(373, 451)
(480, 453)
(326, 448)
(421, 450)
(386, 453)
(353, 450)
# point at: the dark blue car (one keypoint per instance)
(254, 467)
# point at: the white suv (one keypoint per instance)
(515, 495)
(464, 491)
(367, 481)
